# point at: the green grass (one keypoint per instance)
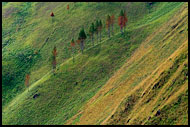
(60, 98)
(34, 26)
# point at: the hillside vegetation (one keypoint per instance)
(140, 77)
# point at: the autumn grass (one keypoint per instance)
(60, 98)
(99, 103)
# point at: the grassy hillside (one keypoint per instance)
(93, 89)
(128, 83)
(26, 27)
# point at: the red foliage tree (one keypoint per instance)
(112, 22)
(68, 7)
(125, 19)
(122, 20)
(52, 15)
(73, 48)
(27, 78)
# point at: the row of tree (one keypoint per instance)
(95, 28)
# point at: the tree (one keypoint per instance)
(96, 28)
(52, 15)
(100, 28)
(125, 19)
(112, 23)
(108, 23)
(122, 20)
(68, 7)
(27, 81)
(82, 37)
(54, 59)
(73, 48)
(91, 32)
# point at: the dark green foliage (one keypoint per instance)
(108, 18)
(13, 75)
(100, 28)
(92, 29)
(100, 23)
(96, 26)
(82, 37)
(72, 40)
(91, 32)
(82, 34)
(121, 13)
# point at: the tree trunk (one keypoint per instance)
(109, 32)
(112, 30)
(97, 37)
(93, 39)
(73, 54)
(122, 30)
(100, 36)
(82, 45)
(54, 67)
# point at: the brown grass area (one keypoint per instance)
(137, 115)
(150, 59)
(146, 109)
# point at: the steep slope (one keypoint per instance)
(68, 97)
(29, 36)
(138, 74)
(161, 92)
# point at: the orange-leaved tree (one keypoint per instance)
(122, 20)
(73, 48)
(68, 7)
(112, 23)
(27, 78)
(125, 19)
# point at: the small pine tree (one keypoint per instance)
(96, 28)
(100, 28)
(108, 22)
(91, 32)
(82, 37)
